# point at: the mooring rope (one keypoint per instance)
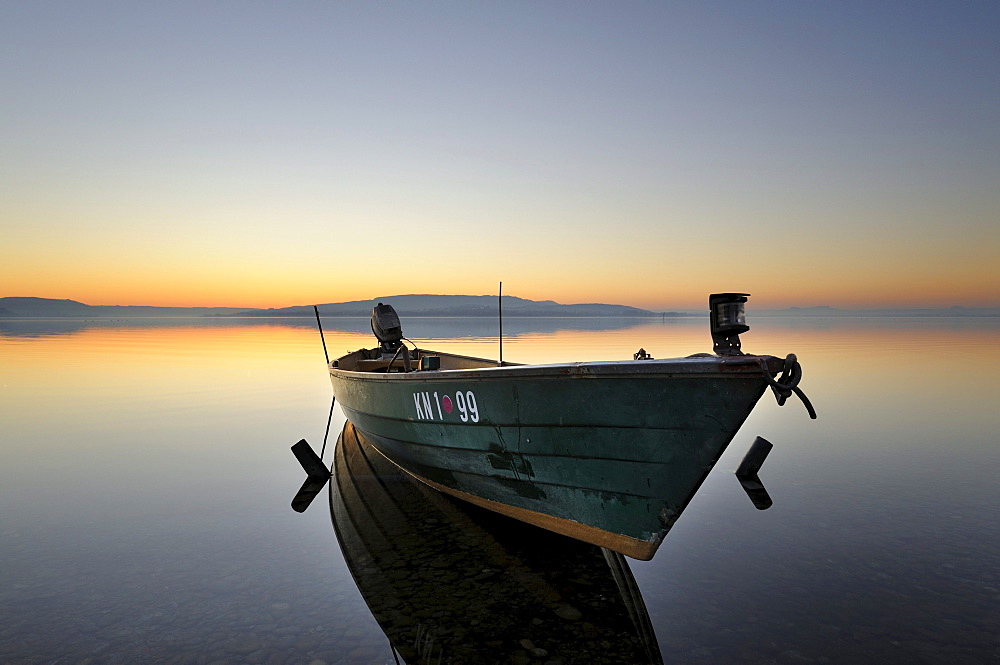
(788, 382)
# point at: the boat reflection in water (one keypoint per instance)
(452, 583)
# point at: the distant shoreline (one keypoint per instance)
(847, 314)
(443, 306)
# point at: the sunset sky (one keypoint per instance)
(642, 153)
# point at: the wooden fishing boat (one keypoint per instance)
(605, 452)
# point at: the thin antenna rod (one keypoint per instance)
(500, 310)
(323, 339)
(329, 419)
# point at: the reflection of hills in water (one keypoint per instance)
(416, 328)
(43, 327)
(450, 583)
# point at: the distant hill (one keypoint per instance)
(438, 305)
(50, 308)
(407, 305)
(416, 305)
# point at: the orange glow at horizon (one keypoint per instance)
(847, 292)
(635, 284)
(760, 299)
(212, 270)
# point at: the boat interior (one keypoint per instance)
(409, 360)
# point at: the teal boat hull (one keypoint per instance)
(606, 452)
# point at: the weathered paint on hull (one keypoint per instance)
(606, 456)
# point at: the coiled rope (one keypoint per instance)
(788, 382)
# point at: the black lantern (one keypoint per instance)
(728, 320)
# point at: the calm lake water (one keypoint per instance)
(146, 483)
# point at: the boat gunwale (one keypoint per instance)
(702, 365)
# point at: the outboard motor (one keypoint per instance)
(385, 325)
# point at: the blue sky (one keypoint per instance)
(643, 153)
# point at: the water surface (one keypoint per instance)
(146, 482)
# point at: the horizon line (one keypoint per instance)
(682, 310)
